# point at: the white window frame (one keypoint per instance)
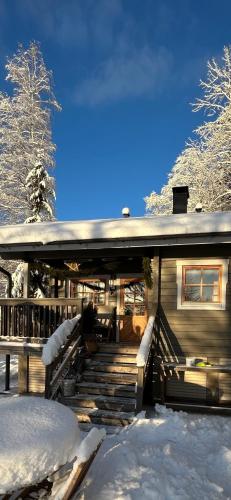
(202, 262)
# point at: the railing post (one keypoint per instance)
(48, 376)
(7, 373)
(140, 389)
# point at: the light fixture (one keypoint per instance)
(73, 266)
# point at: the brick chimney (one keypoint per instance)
(180, 199)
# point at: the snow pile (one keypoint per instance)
(168, 457)
(36, 437)
(83, 453)
(58, 339)
(144, 348)
(13, 371)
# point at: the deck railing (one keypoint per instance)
(58, 370)
(35, 318)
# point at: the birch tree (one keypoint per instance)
(205, 163)
(25, 130)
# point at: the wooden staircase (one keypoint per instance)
(106, 394)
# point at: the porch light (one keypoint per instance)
(73, 266)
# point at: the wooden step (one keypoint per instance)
(127, 391)
(115, 358)
(110, 429)
(107, 377)
(107, 417)
(118, 348)
(100, 402)
(99, 366)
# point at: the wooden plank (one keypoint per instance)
(22, 374)
(79, 475)
(36, 375)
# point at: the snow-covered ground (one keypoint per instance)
(173, 456)
(13, 372)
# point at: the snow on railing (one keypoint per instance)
(58, 339)
(144, 348)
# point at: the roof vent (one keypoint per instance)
(198, 208)
(126, 212)
(180, 199)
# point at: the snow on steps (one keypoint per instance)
(106, 394)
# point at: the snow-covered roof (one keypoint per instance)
(44, 233)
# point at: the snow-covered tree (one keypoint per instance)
(39, 186)
(25, 130)
(27, 190)
(205, 163)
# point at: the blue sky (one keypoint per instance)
(125, 72)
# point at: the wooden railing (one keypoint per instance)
(59, 369)
(35, 318)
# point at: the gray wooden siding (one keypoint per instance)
(196, 333)
(187, 385)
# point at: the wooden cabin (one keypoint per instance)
(103, 261)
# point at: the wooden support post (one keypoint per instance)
(153, 305)
(26, 281)
(7, 373)
(56, 288)
(23, 378)
(153, 293)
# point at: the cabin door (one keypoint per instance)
(133, 309)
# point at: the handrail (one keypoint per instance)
(46, 301)
(142, 361)
(52, 377)
(64, 362)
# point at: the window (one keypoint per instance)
(134, 298)
(202, 284)
(91, 290)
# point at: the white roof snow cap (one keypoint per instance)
(112, 229)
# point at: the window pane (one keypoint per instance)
(128, 310)
(210, 294)
(210, 276)
(192, 293)
(139, 310)
(128, 297)
(140, 293)
(192, 276)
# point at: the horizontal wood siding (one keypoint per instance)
(36, 375)
(225, 388)
(194, 333)
(188, 385)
